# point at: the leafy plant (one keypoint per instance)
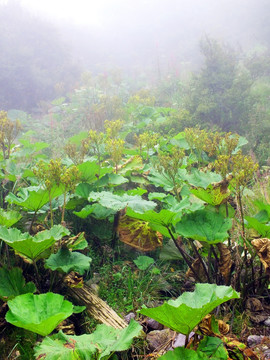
(101, 344)
(188, 310)
(12, 283)
(66, 261)
(38, 313)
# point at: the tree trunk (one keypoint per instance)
(95, 306)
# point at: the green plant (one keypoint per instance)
(38, 313)
(188, 310)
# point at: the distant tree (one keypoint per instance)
(33, 59)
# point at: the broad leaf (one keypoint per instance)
(262, 229)
(38, 313)
(187, 311)
(117, 202)
(185, 354)
(104, 341)
(201, 179)
(12, 283)
(32, 246)
(33, 198)
(143, 262)
(9, 218)
(66, 261)
(213, 347)
(90, 171)
(204, 225)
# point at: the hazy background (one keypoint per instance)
(45, 45)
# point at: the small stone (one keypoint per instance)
(153, 324)
(254, 340)
(180, 340)
(267, 322)
(129, 316)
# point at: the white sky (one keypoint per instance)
(76, 11)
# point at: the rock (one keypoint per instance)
(153, 324)
(267, 322)
(180, 340)
(254, 340)
(129, 316)
(157, 338)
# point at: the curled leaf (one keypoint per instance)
(225, 262)
(262, 247)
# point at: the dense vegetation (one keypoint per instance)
(150, 193)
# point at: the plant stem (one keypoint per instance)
(182, 252)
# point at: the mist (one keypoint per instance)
(58, 40)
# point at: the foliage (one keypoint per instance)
(101, 344)
(38, 313)
(187, 311)
(12, 283)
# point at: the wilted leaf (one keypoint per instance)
(38, 313)
(138, 234)
(198, 268)
(262, 247)
(225, 262)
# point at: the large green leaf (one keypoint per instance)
(66, 261)
(187, 311)
(213, 347)
(202, 179)
(185, 354)
(12, 283)
(33, 198)
(104, 341)
(204, 225)
(90, 171)
(262, 229)
(38, 313)
(32, 246)
(9, 218)
(117, 202)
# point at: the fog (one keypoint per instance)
(156, 37)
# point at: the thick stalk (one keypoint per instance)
(184, 256)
